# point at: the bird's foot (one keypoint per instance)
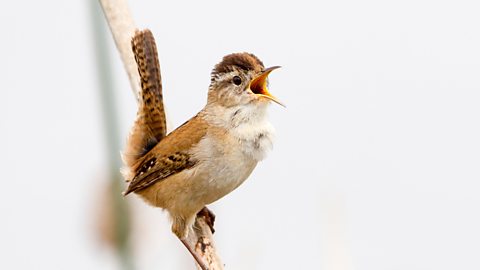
(209, 217)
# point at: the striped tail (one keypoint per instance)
(150, 125)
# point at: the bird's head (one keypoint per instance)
(240, 79)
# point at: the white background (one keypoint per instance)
(376, 162)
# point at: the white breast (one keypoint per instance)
(255, 137)
(249, 125)
(229, 156)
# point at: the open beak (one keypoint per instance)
(259, 86)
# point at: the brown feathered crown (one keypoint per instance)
(244, 61)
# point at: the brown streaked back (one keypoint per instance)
(170, 156)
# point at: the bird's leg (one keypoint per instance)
(194, 254)
(209, 217)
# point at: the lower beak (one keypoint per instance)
(259, 86)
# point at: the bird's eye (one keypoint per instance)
(237, 80)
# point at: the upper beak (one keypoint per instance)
(259, 85)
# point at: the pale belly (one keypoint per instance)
(222, 169)
(212, 178)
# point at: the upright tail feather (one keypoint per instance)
(150, 126)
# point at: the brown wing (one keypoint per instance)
(169, 156)
(158, 168)
(150, 125)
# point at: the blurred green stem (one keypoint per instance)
(110, 122)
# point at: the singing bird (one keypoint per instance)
(209, 155)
